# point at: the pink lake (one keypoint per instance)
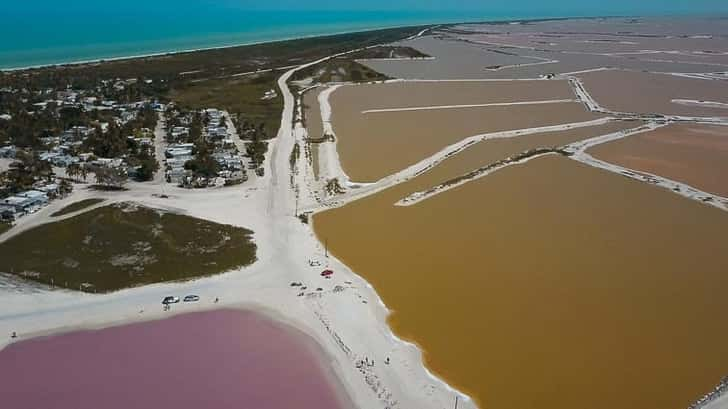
(219, 359)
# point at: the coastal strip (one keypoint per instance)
(171, 52)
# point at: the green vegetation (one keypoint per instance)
(170, 71)
(240, 96)
(295, 154)
(5, 227)
(388, 51)
(333, 187)
(256, 150)
(77, 172)
(110, 178)
(76, 206)
(148, 165)
(498, 164)
(23, 173)
(343, 69)
(125, 245)
(314, 148)
(195, 78)
(203, 165)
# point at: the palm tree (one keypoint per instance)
(84, 172)
(73, 170)
(65, 187)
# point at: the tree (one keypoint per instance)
(109, 145)
(148, 165)
(73, 170)
(65, 187)
(26, 171)
(83, 172)
(110, 178)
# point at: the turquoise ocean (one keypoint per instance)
(58, 36)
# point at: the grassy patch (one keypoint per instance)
(5, 227)
(388, 51)
(181, 67)
(315, 160)
(238, 95)
(76, 206)
(339, 70)
(125, 245)
(295, 154)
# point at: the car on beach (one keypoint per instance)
(191, 298)
(170, 300)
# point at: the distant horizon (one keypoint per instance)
(47, 45)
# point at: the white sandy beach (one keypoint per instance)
(5, 164)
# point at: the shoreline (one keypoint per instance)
(92, 61)
(455, 389)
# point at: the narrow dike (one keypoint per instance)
(518, 159)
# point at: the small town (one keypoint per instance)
(109, 138)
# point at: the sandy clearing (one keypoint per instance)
(5, 164)
(707, 104)
(160, 144)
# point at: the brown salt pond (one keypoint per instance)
(374, 145)
(452, 60)
(549, 285)
(312, 113)
(314, 124)
(693, 154)
(536, 49)
(217, 359)
(632, 91)
(431, 93)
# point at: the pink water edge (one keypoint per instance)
(219, 359)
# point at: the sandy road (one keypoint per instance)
(160, 144)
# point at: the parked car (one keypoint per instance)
(170, 300)
(191, 298)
